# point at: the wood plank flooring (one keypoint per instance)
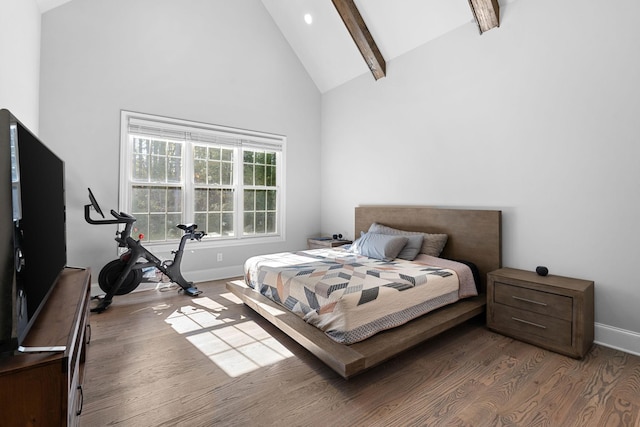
(159, 358)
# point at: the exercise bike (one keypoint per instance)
(123, 275)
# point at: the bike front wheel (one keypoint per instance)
(110, 274)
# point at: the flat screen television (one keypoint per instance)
(32, 228)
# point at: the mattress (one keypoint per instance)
(352, 297)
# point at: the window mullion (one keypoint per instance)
(188, 184)
(279, 192)
(238, 192)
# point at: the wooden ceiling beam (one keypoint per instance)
(360, 34)
(487, 14)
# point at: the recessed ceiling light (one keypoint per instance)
(308, 18)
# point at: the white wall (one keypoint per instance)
(538, 118)
(214, 61)
(20, 59)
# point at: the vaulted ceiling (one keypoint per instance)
(327, 50)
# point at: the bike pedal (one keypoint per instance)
(102, 305)
(192, 291)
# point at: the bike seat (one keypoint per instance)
(188, 228)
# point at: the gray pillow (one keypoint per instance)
(412, 248)
(432, 244)
(379, 246)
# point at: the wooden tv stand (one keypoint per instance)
(45, 388)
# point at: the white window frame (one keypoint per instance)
(171, 128)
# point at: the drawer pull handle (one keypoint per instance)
(80, 400)
(529, 323)
(529, 300)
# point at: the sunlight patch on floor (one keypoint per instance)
(231, 297)
(190, 319)
(237, 345)
(208, 303)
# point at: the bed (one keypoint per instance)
(472, 235)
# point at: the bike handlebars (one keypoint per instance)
(125, 218)
(120, 218)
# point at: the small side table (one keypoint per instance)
(552, 312)
(326, 242)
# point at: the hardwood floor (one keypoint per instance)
(163, 359)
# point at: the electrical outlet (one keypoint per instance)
(219, 257)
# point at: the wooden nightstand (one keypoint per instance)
(552, 312)
(325, 242)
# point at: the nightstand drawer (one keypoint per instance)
(544, 303)
(531, 326)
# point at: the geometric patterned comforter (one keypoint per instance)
(351, 297)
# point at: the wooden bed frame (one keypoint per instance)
(474, 235)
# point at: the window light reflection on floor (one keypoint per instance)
(237, 345)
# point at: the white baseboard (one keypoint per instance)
(193, 276)
(215, 273)
(619, 339)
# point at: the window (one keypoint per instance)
(227, 181)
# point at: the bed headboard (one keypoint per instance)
(474, 235)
